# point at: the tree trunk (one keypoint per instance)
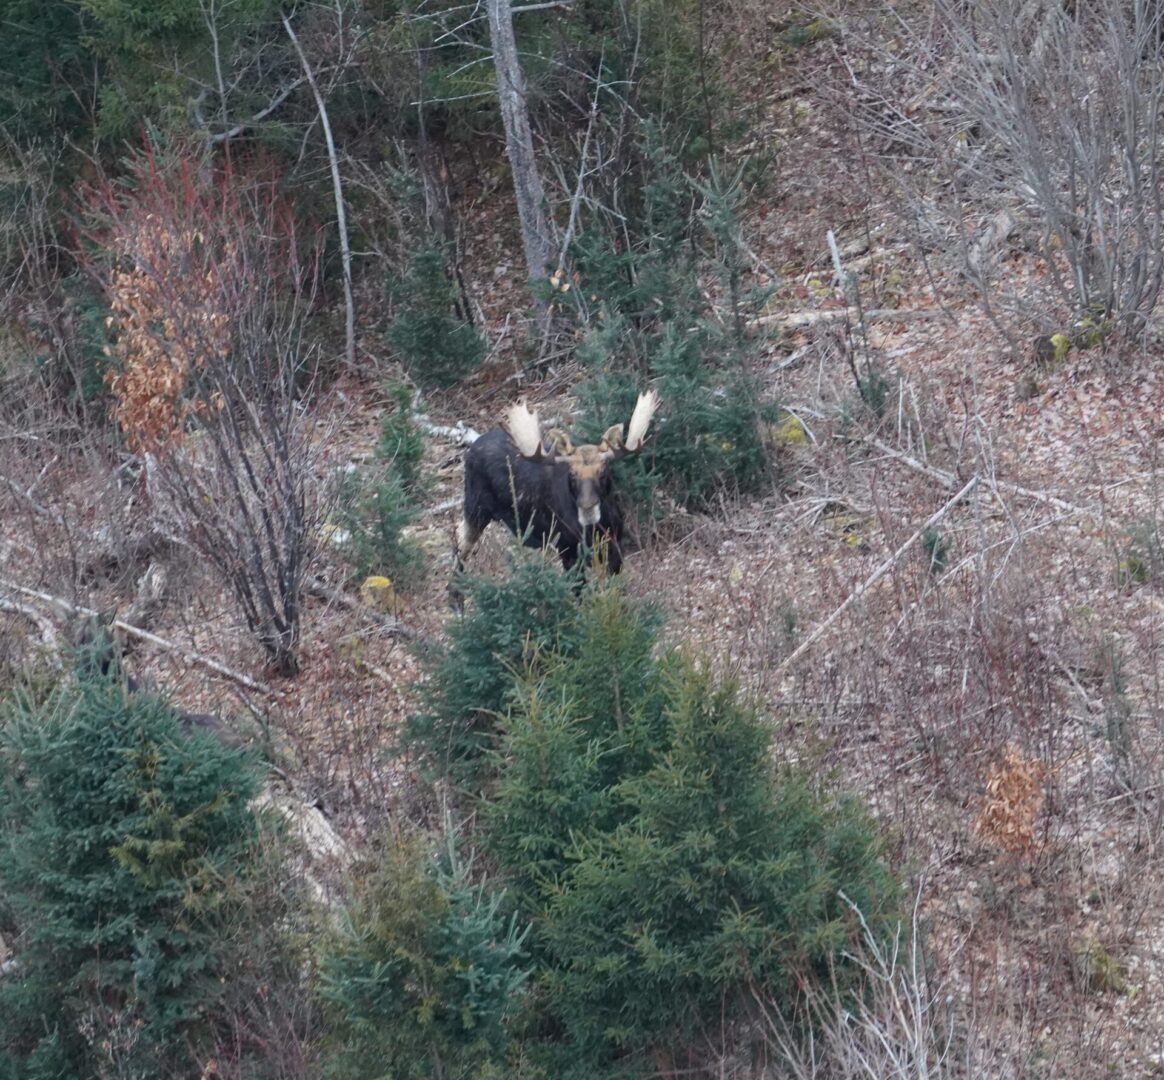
(527, 183)
(340, 210)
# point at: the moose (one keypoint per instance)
(546, 490)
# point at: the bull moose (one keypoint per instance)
(546, 489)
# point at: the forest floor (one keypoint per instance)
(1002, 713)
(1004, 716)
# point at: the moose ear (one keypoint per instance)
(611, 442)
(561, 442)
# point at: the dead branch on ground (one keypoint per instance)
(48, 632)
(69, 610)
(873, 578)
(391, 625)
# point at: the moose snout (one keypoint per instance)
(589, 514)
(589, 511)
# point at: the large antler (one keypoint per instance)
(525, 430)
(614, 446)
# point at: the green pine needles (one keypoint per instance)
(471, 678)
(644, 313)
(670, 873)
(376, 510)
(425, 973)
(435, 342)
(130, 851)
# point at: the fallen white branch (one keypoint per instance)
(207, 662)
(792, 358)
(948, 480)
(71, 610)
(802, 320)
(442, 507)
(876, 576)
(460, 432)
(48, 633)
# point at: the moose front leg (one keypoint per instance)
(466, 540)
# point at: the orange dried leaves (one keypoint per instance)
(1012, 801)
(167, 299)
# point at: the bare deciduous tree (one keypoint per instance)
(1043, 119)
(209, 293)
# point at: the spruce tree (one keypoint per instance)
(424, 974)
(129, 850)
(668, 869)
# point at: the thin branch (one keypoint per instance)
(72, 610)
(542, 7)
(209, 17)
(48, 633)
(948, 480)
(572, 224)
(876, 576)
(26, 497)
(207, 662)
(389, 623)
(262, 114)
(455, 97)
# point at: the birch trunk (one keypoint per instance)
(527, 182)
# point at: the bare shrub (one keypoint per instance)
(902, 1022)
(51, 329)
(1039, 119)
(208, 291)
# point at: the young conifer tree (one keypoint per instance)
(130, 857)
(669, 871)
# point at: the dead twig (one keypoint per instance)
(391, 625)
(72, 610)
(48, 632)
(948, 480)
(26, 497)
(873, 578)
